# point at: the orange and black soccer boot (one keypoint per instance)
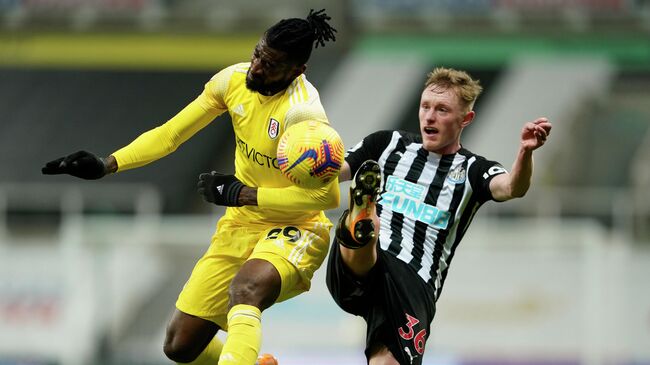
(266, 359)
(363, 196)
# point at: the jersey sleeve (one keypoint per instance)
(370, 148)
(481, 172)
(214, 93)
(294, 198)
(303, 112)
(165, 139)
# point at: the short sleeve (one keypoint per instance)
(481, 172)
(370, 148)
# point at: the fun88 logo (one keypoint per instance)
(405, 197)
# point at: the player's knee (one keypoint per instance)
(380, 355)
(258, 284)
(180, 351)
(250, 293)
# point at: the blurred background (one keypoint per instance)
(90, 271)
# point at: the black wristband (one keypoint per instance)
(232, 195)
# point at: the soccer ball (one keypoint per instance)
(310, 154)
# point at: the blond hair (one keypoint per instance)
(460, 82)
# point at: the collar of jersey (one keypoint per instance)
(264, 99)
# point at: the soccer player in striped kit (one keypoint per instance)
(274, 235)
(412, 199)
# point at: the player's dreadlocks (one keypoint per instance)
(297, 36)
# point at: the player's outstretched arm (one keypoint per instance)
(227, 190)
(516, 183)
(295, 198)
(82, 164)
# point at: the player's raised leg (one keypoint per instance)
(357, 229)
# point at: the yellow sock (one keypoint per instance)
(244, 336)
(210, 355)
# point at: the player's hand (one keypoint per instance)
(535, 133)
(81, 164)
(220, 189)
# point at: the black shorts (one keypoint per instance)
(396, 303)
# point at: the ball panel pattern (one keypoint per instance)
(310, 154)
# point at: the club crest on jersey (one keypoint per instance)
(457, 175)
(274, 128)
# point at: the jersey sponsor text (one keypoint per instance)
(256, 156)
(405, 197)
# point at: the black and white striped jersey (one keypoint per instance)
(427, 200)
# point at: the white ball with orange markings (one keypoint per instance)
(310, 154)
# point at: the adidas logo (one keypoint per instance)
(220, 189)
(239, 110)
(226, 357)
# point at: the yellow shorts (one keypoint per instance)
(295, 251)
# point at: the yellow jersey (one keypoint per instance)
(258, 122)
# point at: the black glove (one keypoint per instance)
(220, 189)
(81, 164)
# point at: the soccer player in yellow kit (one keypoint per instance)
(273, 235)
